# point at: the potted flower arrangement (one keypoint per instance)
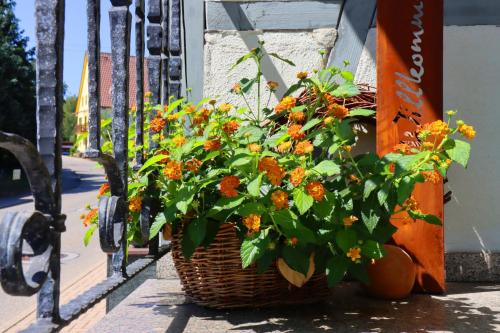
(256, 198)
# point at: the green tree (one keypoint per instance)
(17, 88)
(17, 73)
(69, 119)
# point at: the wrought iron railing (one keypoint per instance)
(41, 229)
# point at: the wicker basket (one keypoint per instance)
(214, 277)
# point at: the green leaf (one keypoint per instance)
(460, 153)
(184, 197)
(196, 231)
(344, 131)
(370, 185)
(405, 189)
(241, 161)
(293, 88)
(296, 258)
(302, 200)
(429, 218)
(266, 260)
(159, 222)
(253, 248)
(335, 270)
(152, 161)
(254, 186)
(369, 216)
(88, 234)
(361, 113)
(327, 168)
(251, 208)
(345, 90)
(372, 249)
(346, 239)
(225, 203)
(211, 155)
(347, 75)
(275, 55)
(324, 208)
(292, 227)
(383, 193)
(246, 84)
(359, 272)
(310, 124)
(242, 59)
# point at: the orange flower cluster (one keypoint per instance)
(179, 140)
(283, 147)
(274, 172)
(231, 126)
(211, 145)
(157, 124)
(402, 148)
(296, 176)
(304, 147)
(280, 199)
(193, 165)
(302, 75)
(87, 219)
(297, 116)
(254, 147)
(354, 253)
(437, 129)
(411, 203)
(173, 117)
(285, 104)
(272, 85)
(295, 132)
(225, 107)
(349, 220)
(467, 131)
(338, 111)
(228, 186)
(163, 152)
(315, 190)
(431, 176)
(103, 190)
(252, 222)
(173, 170)
(236, 88)
(135, 204)
(190, 109)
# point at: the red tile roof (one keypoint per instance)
(106, 82)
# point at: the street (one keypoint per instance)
(80, 265)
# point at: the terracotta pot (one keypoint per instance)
(393, 276)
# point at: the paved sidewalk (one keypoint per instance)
(160, 306)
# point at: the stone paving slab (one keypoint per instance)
(160, 306)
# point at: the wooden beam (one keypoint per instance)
(410, 58)
(272, 15)
(194, 11)
(355, 21)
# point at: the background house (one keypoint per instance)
(82, 105)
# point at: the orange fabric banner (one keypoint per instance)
(410, 93)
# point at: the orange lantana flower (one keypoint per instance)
(225, 107)
(338, 111)
(354, 253)
(173, 170)
(157, 124)
(285, 104)
(302, 75)
(280, 199)
(228, 186)
(295, 132)
(254, 147)
(252, 222)
(87, 219)
(431, 176)
(179, 140)
(283, 147)
(296, 176)
(190, 108)
(467, 131)
(210, 145)
(315, 190)
(231, 126)
(276, 175)
(297, 117)
(349, 220)
(411, 203)
(135, 204)
(103, 190)
(267, 163)
(402, 148)
(193, 165)
(304, 147)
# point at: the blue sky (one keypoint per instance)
(75, 40)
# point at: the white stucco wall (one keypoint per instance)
(223, 48)
(471, 85)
